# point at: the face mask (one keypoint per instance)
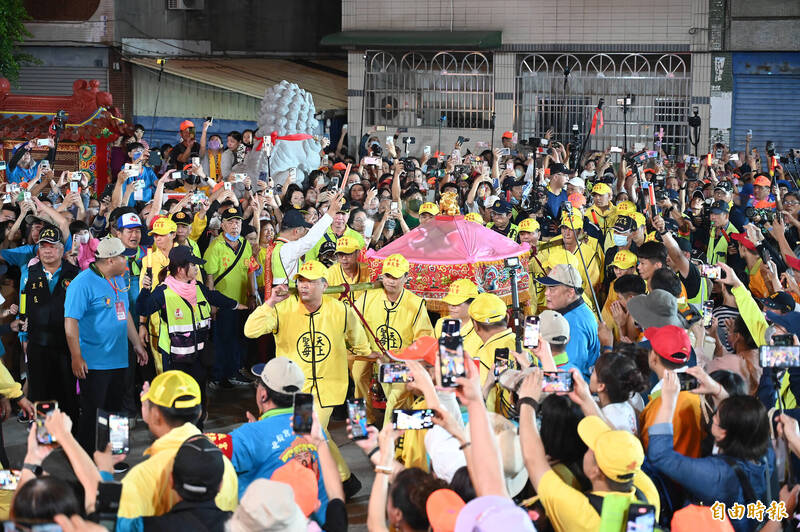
(371, 212)
(414, 205)
(518, 172)
(92, 211)
(214, 144)
(232, 237)
(620, 240)
(85, 238)
(137, 155)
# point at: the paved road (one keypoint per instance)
(226, 412)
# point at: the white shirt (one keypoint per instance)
(291, 252)
(621, 416)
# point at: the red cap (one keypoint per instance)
(186, 124)
(508, 135)
(670, 342)
(743, 240)
(340, 166)
(792, 262)
(423, 348)
(762, 181)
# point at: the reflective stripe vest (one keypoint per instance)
(278, 269)
(184, 328)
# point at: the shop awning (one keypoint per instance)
(326, 80)
(472, 40)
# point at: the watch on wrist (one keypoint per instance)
(36, 469)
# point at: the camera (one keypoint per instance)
(376, 149)
(462, 140)
(759, 216)
(409, 140)
(60, 119)
(408, 165)
(770, 148)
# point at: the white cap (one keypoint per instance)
(577, 182)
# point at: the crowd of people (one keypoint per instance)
(655, 388)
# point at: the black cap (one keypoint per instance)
(181, 255)
(558, 168)
(50, 233)
(684, 244)
(624, 224)
(197, 470)
(346, 206)
(294, 218)
(182, 218)
(501, 206)
(780, 301)
(661, 194)
(327, 247)
(232, 213)
(720, 206)
(724, 185)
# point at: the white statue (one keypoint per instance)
(286, 111)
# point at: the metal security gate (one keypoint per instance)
(417, 89)
(560, 90)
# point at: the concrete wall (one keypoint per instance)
(764, 25)
(586, 26)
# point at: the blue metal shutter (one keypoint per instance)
(770, 106)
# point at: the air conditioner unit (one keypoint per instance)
(183, 5)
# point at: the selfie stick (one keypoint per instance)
(363, 108)
(492, 137)
(441, 121)
(568, 207)
(589, 134)
(161, 62)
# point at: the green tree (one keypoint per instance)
(12, 32)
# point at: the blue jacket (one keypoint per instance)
(584, 346)
(22, 175)
(261, 447)
(711, 479)
(149, 178)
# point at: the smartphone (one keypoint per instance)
(210, 119)
(687, 382)
(43, 409)
(227, 185)
(239, 178)
(113, 429)
(357, 412)
(3, 165)
(427, 150)
(375, 161)
(778, 356)
(390, 140)
(711, 271)
(451, 328)
(176, 175)
(107, 503)
(394, 206)
(195, 161)
(505, 151)
(615, 149)
(501, 355)
(708, 309)
(76, 176)
(394, 372)
(641, 518)
(557, 381)
(45, 164)
(43, 142)
(26, 196)
(380, 128)
(412, 419)
(74, 186)
(302, 414)
(509, 165)
(9, 478)
(531, 335)
(782, 340)
(451, 360)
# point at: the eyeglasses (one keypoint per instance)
(791, 203)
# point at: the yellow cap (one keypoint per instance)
(626, 207)
(460, 291)
(311, 271)
(429, 208)
(487, 308)
(347, 244)
(528, 225)
(474, 217)
(163, 226)
(601, 188)
(624, 259)
(618, 453)
(560, 256)
(651, 237)
(577, 220)
(639, 219)
(395, 265)
(173, 389)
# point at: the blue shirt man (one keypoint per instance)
(556, 195)
(563, 287)
(261, 447)
(98, 325)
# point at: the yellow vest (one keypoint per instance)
(336, 277)
(397, 324)
(316, 341)
(186, 331)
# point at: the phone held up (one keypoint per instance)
(302, 416)
(451, 354)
